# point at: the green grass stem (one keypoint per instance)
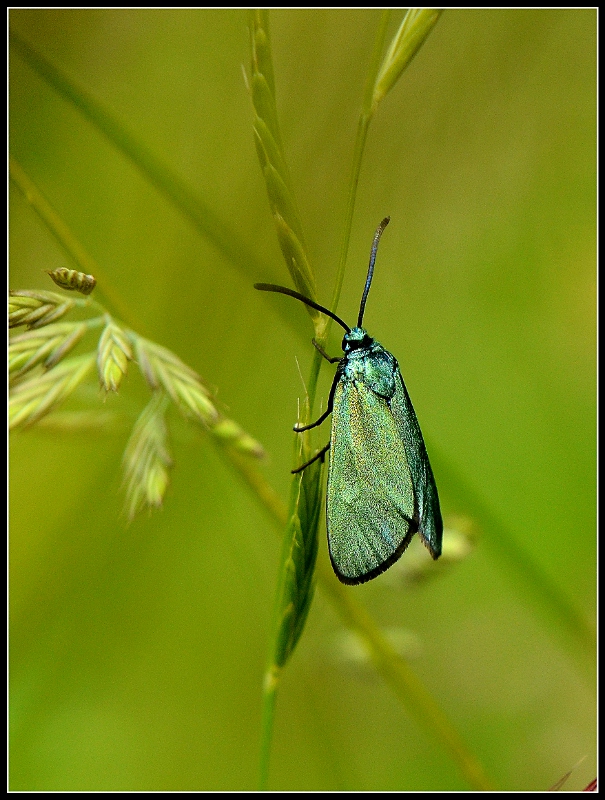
(215, 230)
(66, 238)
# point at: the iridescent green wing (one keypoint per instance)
(370, 497)
(430, 523)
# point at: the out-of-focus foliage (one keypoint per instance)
(138, 653)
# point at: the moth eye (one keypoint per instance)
(72, 280)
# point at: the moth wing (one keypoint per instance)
(430, 523)
(371, 507)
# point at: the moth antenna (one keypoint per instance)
(366, 290)
(271, 287)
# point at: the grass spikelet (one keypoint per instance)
(272, 160)
(113, 354)
(161, 368)
(268, 150)
(414, 29)
(295, 256)
(72, 280)
(299, 555)
(33, 398)
(36, 308)
(147, 458)
(230, 433)
(46, 346)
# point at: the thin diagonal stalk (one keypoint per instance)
(220, 234)
(405, 683)
(66, 238)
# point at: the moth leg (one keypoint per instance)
(319, 348)
(320, 454)
(327, 412)
(317, 422)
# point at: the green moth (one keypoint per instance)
(381, 489)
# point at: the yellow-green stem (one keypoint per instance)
(63, 234)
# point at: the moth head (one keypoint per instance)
(356, 339)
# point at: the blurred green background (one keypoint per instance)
(137, 652)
